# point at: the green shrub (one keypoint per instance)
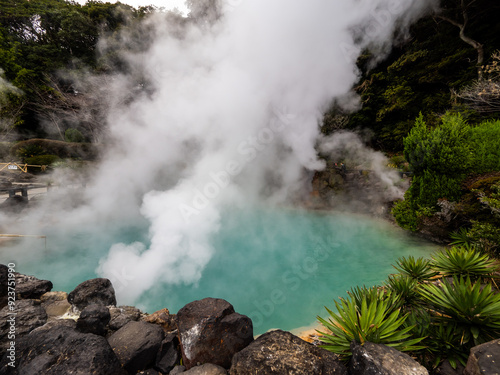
(41, 160)
(485, 141)
(35, 146)
(73, 135)
(405, 216)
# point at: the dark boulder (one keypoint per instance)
(206, 369)
(4, 272)
(29, 287)
(122, 315)
(484, 359)
(378, 359)
(279, 352)
(93, 319)
(94, 291)
(59, 349)
(136, 345)
(28, 316)
(211, 332)
(168, 355)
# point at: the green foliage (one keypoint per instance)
(463, 261)
(485, 236)
(470, 308)
(405, 216)
(375, 322)
(73, 135)
(406, 288)
(41, 160)
(485, 141)
(63, 150)
(444, 149)
(419, 269)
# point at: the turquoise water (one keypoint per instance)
(278, 267)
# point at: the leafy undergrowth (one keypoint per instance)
(435, 309)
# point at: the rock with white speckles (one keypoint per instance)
(484, 359)
(210, 331)
(378, 359)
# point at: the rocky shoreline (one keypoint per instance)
(84, 332)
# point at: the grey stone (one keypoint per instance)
(206, 369)
(136, 345)
(281, 353)
(29, 314)
(378, 359)
(94, 291)
(93, 319)
(58, 349)
(168, 355)
(211, 332)
(484, 359)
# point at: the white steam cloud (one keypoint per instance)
(233, 118)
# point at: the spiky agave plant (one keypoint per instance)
(463, 261)
(472, 309)
(406, 288)
(419, 269)
(376, 321)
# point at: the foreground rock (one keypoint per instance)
(484, 359)
(282, 353)
(95, 291)
(58, 348)
(206, 369)
(29, 287)
(211, 331)
(136, 345)
(94, 319)
(169, 354)
(29, 315)
(378, 359)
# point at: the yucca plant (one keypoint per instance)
(358, 294)
(375, 322)
(419, 269)
(460, 238)
(463, 261)
(405, 287)
(442, 343)
(472, 309)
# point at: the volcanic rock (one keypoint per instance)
(484, 359)
(168, 355)
(29, 287)
(206, 369)
(378, 359)
(282, 353)
(28, 316)
(122, 315)
(136, 345)
(58, 348)
(4, 271)
(211, 331)
(93, 319)
(94, 291)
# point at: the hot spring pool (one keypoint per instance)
(278, 267)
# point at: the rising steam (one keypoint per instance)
(230, 117)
